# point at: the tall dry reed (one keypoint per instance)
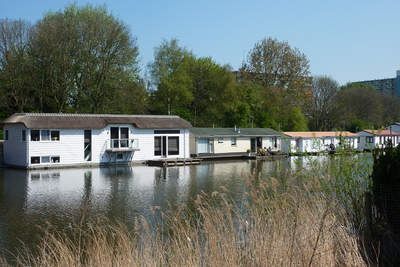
(274, 226)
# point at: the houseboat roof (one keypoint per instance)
(231, 132)
(319, 134)
(94, 121)
(379, 132)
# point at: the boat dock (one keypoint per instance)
(173, 162)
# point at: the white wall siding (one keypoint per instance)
(242, 144)
(69, 148)
(15, 150)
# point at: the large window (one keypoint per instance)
(173, 145)
(157, 146)
(164, 145)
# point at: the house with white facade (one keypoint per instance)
(315, 142)
(232, 141)
(43, 140)
(370, 139)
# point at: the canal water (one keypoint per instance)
(30, 200)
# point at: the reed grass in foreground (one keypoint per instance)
(274, 227)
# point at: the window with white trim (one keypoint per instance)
(44, 135)
(55, 159)
(233, 141)
(35, 160)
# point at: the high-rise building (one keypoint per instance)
(390, 85)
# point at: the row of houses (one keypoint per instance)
(42, 140)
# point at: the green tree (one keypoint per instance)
(211, 87)
(169, 77)
(85, 54)
(15, 64)
(283, 72)
(296, 121)
(275, 64)
(359, 102)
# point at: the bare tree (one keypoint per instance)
(324, 109)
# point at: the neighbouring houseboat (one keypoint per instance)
(44, 140)
(207, 143)
(316, 142)
(370, 139)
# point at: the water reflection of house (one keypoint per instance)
(223, 142)
(313, 142)
(370, 139)
(54, 140)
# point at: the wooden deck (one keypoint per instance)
(173, 162)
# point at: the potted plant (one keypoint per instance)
(248, 152)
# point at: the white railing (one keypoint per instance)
(122, 144)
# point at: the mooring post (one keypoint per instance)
(368, 211)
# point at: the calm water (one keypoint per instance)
(31, 199)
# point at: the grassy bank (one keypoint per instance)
(295, 223)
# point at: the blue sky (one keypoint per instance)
(348, 40)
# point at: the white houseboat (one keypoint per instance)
(315, 142)
(43, 140)
(370, 139)
(229, 142)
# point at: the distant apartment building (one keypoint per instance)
(389, 86)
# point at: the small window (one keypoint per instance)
(35, 135)
(358, 139)
(23, 135)
(120, 156)
(46, 159)
(220, 140)
(6, 137)
(233, 141)
(55, 159)
(35, 160)
(45, 135)
(55, 135)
